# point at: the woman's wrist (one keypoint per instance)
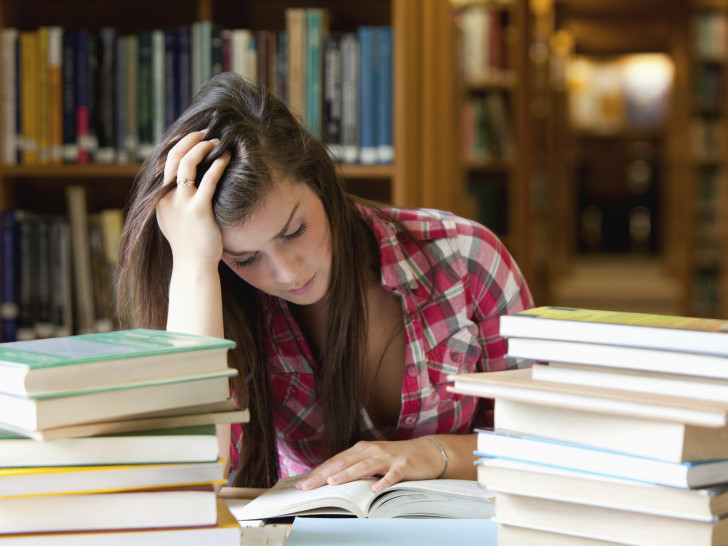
(442, 453)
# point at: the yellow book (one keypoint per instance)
(43, 96)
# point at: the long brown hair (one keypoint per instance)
(266, 142)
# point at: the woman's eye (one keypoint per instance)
(296, 234)
(246, 262)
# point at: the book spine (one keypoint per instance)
(385, 147)
(27, 273)
(205, 49)
(131, 140)
(68, 75)
(171, 76)
(78, 218)
(30, 96)
(158, 85)
(281, 88)
(316, 29)
(350, 98)
(184, 69)
(55, 54)
(43, 95)
(106, 40)
(263, 52)
(93, 95)
(332, 95)
(61, 302)
(43, 324)
(144, 96)
(295, 28)
(215, 50)
(82, 96)
(10, 111)
(120, 106)
(368, 85)
(10, 275)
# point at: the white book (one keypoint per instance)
(607, 463)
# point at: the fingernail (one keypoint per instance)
(204, 131)
(305, 484)
(377, 487)
(333, 480)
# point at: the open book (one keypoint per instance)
(414, 499)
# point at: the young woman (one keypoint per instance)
(347, 318)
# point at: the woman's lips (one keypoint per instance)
(303, 289)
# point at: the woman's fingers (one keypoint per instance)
(187, 167)
(176, 154)
(209, 181)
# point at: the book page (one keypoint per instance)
(284, 499)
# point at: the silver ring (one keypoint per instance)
(182, 181)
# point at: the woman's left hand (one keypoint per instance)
(416, 459)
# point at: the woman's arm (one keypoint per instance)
(395, 461)
(186, 219)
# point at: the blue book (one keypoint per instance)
(10, 275)
(368, 86)
(385, 97)
(603, 462)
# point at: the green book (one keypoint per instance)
(109, 360)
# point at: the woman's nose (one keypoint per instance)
(288, 265)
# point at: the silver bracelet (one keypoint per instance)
(444, 455)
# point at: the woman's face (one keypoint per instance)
(284, 248)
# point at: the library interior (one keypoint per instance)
(590, 136)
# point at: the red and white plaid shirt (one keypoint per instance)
(449, 328)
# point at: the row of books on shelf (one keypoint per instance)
(710, 36)
(708, 90)
(59, 271)
(707, 139)
(102, 96)
(110, 439)
(487, 127)
(618, 433)
(482, 42)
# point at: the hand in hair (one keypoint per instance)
(185, 214)
(395, 461)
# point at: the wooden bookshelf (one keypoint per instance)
(40, 187)
(705, 273)
(492, 184)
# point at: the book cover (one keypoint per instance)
(82, 85)
(593, 522)
(183, 89)
(61, 277)
(158, 85)
(112, 403)
(226, 532)
(646, 437)
(572, 456)
(131, 141)
(105, 84)
(144, 103)
(30, 90)
(622, 357)
(43, 103)
(541, 481)
(519, 385)
(106, 511)
(674, 333)
(173, 445)
(100, 360)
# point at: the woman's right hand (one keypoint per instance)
(185, 214)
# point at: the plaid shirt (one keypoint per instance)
(451, 303)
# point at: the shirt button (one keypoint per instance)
(412, 316)
(455, 356)
(412, 371)
(410, 420)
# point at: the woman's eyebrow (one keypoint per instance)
(281, 233)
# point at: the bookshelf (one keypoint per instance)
(491, 124)
(41, 187)
(706, 270)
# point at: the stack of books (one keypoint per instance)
(110, 438)
(617, 433)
